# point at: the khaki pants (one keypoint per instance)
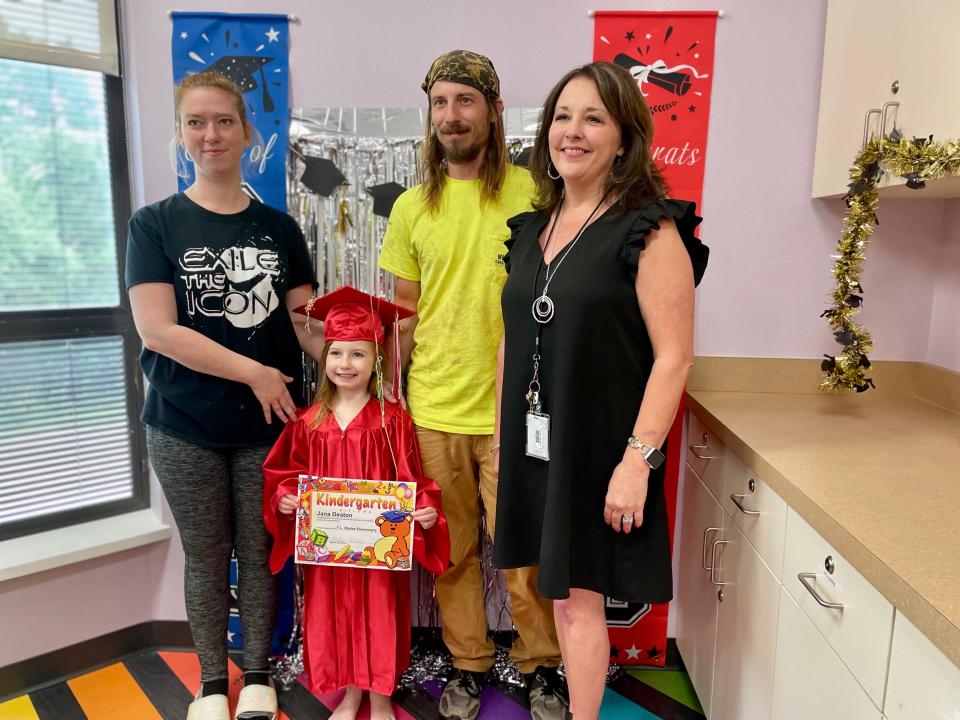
(458, 463)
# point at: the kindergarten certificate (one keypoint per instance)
(355, 523)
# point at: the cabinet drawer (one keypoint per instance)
(923, 682)
(757, 510)
(859, 629)
(809, 679)
(705, 455)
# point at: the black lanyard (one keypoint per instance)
(533, 395)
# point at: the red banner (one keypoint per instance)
(670, 54)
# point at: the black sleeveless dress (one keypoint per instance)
(596, 358)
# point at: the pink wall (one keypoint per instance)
(769, 274)
(64, 606)
(944, 343)
(57, 608)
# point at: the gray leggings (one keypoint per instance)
(216, 495)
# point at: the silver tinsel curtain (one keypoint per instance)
(372, 146)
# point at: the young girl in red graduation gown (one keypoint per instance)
(356, 626)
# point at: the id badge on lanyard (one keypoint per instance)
(538, 422)
(538, 435)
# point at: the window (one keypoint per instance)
(71, 448)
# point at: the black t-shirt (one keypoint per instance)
(230, 274)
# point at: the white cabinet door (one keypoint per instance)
(923, 682)
(849, 612)
(869, 45)
(859, 65)
(809, 679)
(929, 96)
(696, 595)
(746, 633)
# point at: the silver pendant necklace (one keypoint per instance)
(543, 308)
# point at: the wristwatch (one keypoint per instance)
(652, 455)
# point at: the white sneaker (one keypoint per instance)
(257, 702)
(211, 707)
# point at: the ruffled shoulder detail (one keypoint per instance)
(684, 214)
(516, 224)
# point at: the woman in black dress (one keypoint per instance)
(598, 316)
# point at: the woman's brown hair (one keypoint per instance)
(433, 161)
(327, 390)
(634, 180)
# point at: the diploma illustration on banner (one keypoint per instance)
(355, 523)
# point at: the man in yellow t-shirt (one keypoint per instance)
(445, 245)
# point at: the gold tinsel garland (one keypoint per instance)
(917, 160)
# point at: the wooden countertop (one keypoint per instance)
(876, 474)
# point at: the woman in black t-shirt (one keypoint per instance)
(213, 276)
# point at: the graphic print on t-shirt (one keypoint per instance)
(237, 284)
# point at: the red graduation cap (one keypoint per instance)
(349, 315)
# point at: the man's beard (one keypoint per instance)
(459, 152)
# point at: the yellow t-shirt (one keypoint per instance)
(457, 257)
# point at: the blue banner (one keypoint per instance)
(251, 50)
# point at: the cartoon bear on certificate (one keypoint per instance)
(392, 547)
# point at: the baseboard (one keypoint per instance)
(54, 667)
(29, 674)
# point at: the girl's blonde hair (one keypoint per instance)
(327, 390)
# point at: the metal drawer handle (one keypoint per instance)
(805, 579)
(883, 117)
(703, 550)
(694, 448)
(736, 501)
(866, 123)
(713, 559)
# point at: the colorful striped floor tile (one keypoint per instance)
(160, 686)
(617, 707)
(19, 708)
(673, 683)
(111, 692)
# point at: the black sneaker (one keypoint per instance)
(461, 695)
(549, 697)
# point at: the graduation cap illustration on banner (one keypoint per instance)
(321, 176)
(384, 196)
(523, 157)
(240, 69)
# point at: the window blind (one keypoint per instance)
(64, 427)
(72, 33)
(57, 229)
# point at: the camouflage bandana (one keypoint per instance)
(467, 68)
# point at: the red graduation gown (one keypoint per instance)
(356, 625)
